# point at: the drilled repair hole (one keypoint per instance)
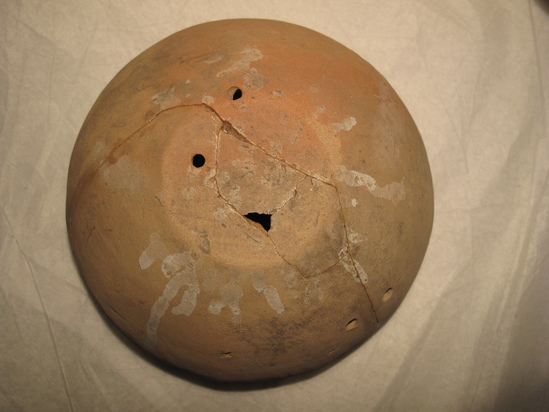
(387, 295)
(237, 94)
(198, 160)
(261, 218)
(234, 93)
(353, 324)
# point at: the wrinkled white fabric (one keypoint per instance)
(472, 334)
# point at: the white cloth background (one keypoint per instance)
(472, 334)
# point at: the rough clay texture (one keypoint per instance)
(291, 125)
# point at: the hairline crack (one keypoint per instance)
(225, 126)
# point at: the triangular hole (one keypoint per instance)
(261, 218)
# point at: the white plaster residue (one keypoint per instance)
(188, 301)
(166, 99)
(354, 237)
(347, 124)
(271, 294)
(180, 268)
(172, 263)
(393, 191)
(159, 309)
(222, 177)
(233, 197)
(353, 267)
(155, 250)
(253, 80)
(208, 99)
(348, 201)
(209, 179)
(356, 179)
(214, 59)
(360, 272)
(231, 294)
(187, 81)
(248, 56)
(193, 171)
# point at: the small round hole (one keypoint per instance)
(387, 295)
(198, 160)
(234, 93)
(237, 94)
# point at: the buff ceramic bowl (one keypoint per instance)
(249, 199)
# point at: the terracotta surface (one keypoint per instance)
(215, 130)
